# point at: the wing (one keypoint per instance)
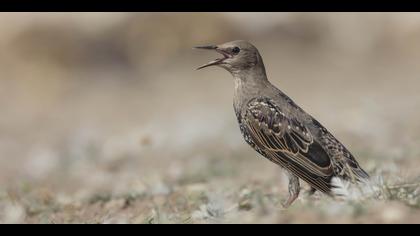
(345, 164)
(288, 142)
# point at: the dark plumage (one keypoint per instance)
(279, 129)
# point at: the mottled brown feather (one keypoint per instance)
(287, 142)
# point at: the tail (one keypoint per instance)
(361, 175)
(364, 188)
(351, 171)
(354, 184)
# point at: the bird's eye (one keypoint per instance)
(236, 50)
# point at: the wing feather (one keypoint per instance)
(288, 142)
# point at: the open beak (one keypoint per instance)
(217, 61)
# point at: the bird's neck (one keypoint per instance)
(251, 79)
(249, 83)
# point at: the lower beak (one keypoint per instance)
(214, 62)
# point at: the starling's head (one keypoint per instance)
(237, 55)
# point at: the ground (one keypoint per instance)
(218, 190)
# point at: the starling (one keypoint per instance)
(281, 131)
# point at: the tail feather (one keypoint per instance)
(365, 188)
(361, 174)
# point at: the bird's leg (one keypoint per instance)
(294, 189)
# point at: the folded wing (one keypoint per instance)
(288, 142)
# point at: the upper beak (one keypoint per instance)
(208, 47)
(214, 62)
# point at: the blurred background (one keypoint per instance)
(104, 119)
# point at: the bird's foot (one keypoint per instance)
(289, 201)
(294, 189)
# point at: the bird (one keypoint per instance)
(281, 131)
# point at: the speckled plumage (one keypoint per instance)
(280, 130)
